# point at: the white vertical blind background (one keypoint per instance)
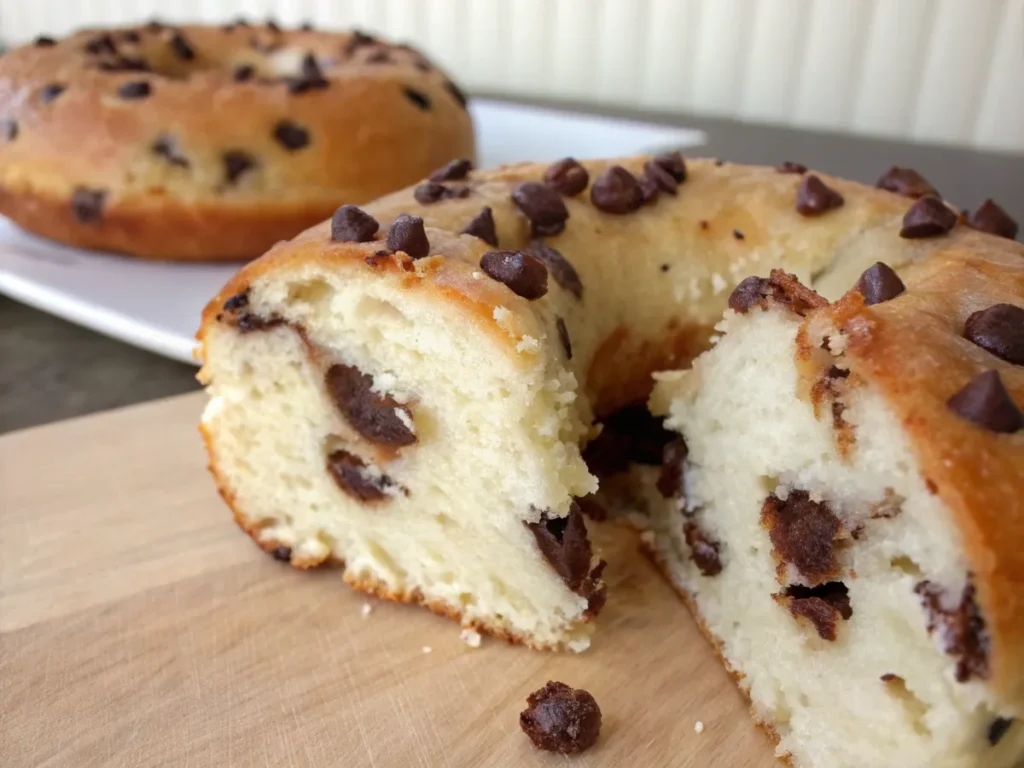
(946, 71)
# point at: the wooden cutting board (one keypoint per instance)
(139, 627)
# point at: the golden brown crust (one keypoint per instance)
(365, 136)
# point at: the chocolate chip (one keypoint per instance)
(803, 534)
(789, 166)
(239, 301)
(780, 288)
(630, 435)
(814, 198)
(44, 42)
(244, 73)
(928, 217)
(309, 69)
(660, 177)
(349, 472)
(291, 136)
(559, 267)
(998, 729)
(154, 25)
(482, 226)
(616, 191)
(879, 283)
(907, 182)
(992, 219)
(822, 605)
(673, 163)
(567, 177)
(561, 719)
(664, 267)
(999, 330)
(703, 550)
(649, 190)
(432, 192)
(563, 542)
(351, 224)
(284, 554)
(236, 162)
(101, 44)
(273, 27)
(407, 234)
(87, 204)
(455, 170)
(357, 40)
(985, 402)
(167, 148)
(181, 46)
(522, 272)
(889, 677)
(591, 507)
(737, 234)
(456, 93)
(251, 322)
(134, 89)
(131, 36)
(543, 206)
(563, 336)
(670, 481)
(418, 98)
(307, 26)
(51, 92)
(372, 415)
(310, 77)
(9, 129)
(960, 629)
(124, 64)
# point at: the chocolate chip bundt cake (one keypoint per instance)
(843, 507)
(199, 142)
(427, 390)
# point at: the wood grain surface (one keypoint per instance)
(139, 627)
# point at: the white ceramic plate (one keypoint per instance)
(156, 305)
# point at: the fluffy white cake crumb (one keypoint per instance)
(698, 727)
(470, 637)
(366, 610)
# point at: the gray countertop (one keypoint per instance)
(51, 369)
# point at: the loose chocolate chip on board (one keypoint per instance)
(563, 336)
(167, 148)
(408, 234)
(985, 401)
(9, 128)
(44, 42)
(649, 190)
(567, 177)
(482, 226)
(670, 481)
(543, 206)
(349, 472)
(960, 629)
(454, 170)
(803, 533)
(561, 719)
(135, 89)
(244, 73)
(372, 415)
(87, 204)
(822, 605)
(999, 330)
(236, 162)
(998, 729)
(291, 136)
(351, 224)
(418, 98)
(456, 93)
(101, 44)
(703, 550)
(51, 92)
(989, 217)
(928, 217)
(879, 283)
(616, 191)
(672, 162)
(664, 180)
(563, 542)
(789, 166)
(523, 273)
(813, 197)
(907, 182)
(559, 267)
(284, 554)
(181, 47)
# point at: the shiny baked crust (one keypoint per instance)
(66, 125)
